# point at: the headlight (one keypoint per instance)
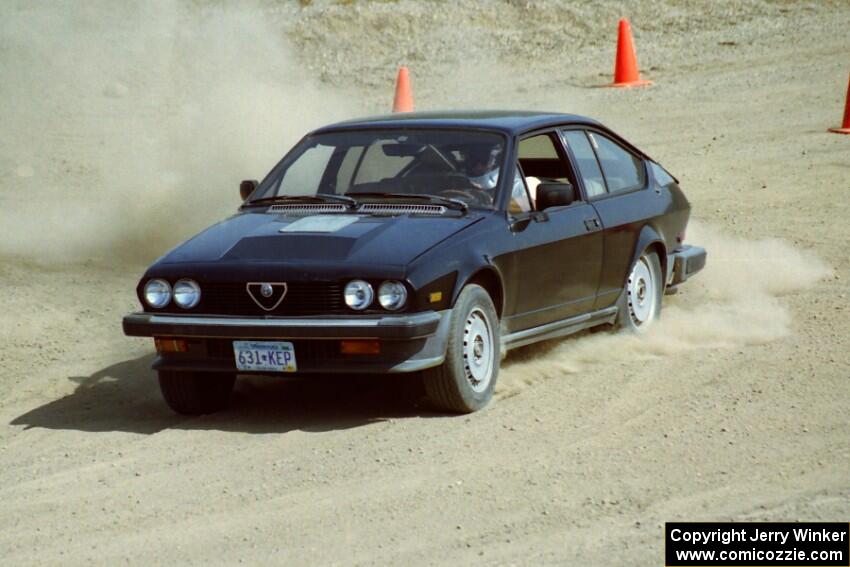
(157, 293)
(358, 294)
(187, 293)
(392, 295)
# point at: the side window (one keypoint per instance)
(377, 165)
(540, 162)
(537, 147)
(304, 175)
(623, 170)
(594, 183)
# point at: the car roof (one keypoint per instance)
(508, 121)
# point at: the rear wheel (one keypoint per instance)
(640, 303)
(466, 380)
(194, 393)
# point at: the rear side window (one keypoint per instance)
(660, 174)
(623, 170)
(594, 183)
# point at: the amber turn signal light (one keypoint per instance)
(360, 347)
(170, 345)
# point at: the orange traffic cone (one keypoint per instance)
(403, 101)
(845, 124)
(626, 72)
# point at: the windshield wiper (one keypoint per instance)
(318, 198)
(451, 203)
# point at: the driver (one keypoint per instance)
(482, 166)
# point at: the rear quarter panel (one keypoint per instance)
(634, 221)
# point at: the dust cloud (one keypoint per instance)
(734, 301)
(127, 127)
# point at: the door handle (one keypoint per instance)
(591, 224)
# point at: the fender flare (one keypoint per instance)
(651, 239)
(487, 276)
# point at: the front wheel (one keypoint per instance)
(195, 393)
(640, 302)
(466, 380)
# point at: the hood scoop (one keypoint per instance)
(391, 209)
(308, 208)
(368, 208)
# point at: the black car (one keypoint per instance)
(418, 242)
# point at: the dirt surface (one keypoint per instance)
(128, 128)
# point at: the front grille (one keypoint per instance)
(302, 298)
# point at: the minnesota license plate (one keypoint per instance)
(264, 356)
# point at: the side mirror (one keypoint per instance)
(247, 187)
(555, 195)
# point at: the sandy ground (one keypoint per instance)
(128, 128)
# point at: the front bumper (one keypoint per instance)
(409, 342)
(412, 326)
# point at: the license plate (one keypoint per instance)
(264, 356)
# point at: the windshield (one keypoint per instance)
(454, 164)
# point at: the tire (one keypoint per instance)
(195, 393)
(640, 303)
(465, 382)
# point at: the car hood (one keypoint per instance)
(336, 239)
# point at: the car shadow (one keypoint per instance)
(125, 397)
